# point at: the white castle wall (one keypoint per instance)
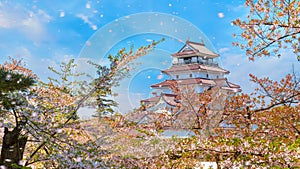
(193, 74)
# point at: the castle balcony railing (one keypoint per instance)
(191, 62)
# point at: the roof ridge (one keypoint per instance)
(197, 43)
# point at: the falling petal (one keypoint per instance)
(221, 15)
(8, 77)
(88, 5)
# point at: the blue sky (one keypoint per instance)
(47, 32)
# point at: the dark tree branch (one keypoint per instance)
(269, 44)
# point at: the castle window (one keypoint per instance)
(206, 75)
(187, 60)
(191, 75)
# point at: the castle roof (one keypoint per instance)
(168, 83)
(222, 83)
(171, 100)
(232, 85)
(234, 90)
(195, 66)
(151, 99)
(194, 48)
(168, 98)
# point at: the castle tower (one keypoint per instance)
(195, 65)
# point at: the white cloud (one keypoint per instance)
(272, 67)
(8, 19)
(86, 20)
(23, 52)
(31, 24)
(238, 8)
(44, 15)
(223, 50)
(33, 28)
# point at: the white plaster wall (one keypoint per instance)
(186, 75)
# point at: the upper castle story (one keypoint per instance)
(195, 60)
(193, 52)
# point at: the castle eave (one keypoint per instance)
(151, 100)
(234, 90)
(190, 54)
(197, 67)
(197, 49)
(200, 81)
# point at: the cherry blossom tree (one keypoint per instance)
(199, 111)
(270, 27)
(41, 126)
(261, 131)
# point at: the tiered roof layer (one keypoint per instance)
(198, 49)
(195, 67)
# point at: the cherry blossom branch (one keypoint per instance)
(125, 59)
(273, 41)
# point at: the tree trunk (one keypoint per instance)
(12, 148)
